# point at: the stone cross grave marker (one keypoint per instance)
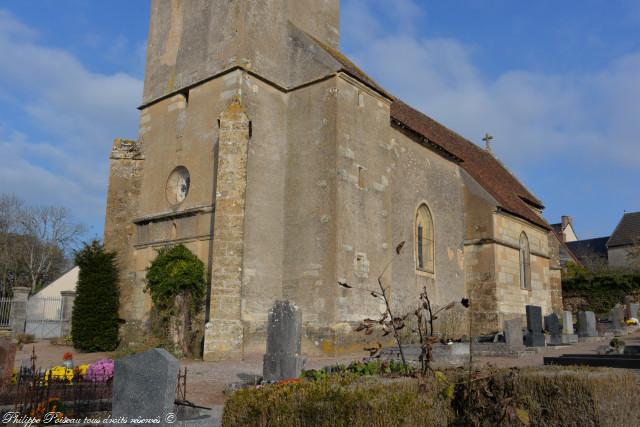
(513, 334)
(7, 358)
(535, 335)
(568, 334)
(144, 386)
(552, 325)
(587, 324)
(284, 334)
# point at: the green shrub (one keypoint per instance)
(602, 290)
(95, 310)
(176, 282)
(359, 368)
(341, 400)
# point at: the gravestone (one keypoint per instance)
(7, 360)
(568, 334)
(284, 334)
(632, 310)
(552, 325)
(535, 334)
(587, 324)
(616, 316)
(513, 334)
(144, 386)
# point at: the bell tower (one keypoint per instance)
(193, 40)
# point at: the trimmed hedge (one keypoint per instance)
(341, 401)
(601, 291)
(94, 322)
(550, 396)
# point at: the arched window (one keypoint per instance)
(424, 239)
(525, 262)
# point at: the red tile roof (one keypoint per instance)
(510, 194)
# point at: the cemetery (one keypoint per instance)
(468, 382)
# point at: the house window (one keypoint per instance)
(424, 240)
(525, 262)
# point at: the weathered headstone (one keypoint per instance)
(7, 360)
(616, 316)
(568, 334)
(284, 334)
(513, 334)
(535, 334)
(552, 325)
(144, 386)
(587, 324)
(632, 310)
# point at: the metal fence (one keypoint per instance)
(5, 312)
(44, 317)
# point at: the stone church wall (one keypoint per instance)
(510, 296)
(419, 175)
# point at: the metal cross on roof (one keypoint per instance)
(487, 141)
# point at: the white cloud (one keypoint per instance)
(60, 155)
(592, 116)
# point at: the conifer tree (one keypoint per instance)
(94, 323)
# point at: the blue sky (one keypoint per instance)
(556, 83)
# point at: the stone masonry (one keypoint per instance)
(224, 332)
(285, 169)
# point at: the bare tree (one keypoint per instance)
(10, 267)
(34, 243)
(49, 234)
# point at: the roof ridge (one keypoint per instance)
(510, 194)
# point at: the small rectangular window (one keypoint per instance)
(420, 247)
(362, 177)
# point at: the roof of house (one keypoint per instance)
(627, 231)
(557, 228)
(589, 249)
(490, 173)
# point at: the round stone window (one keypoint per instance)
(178, 185)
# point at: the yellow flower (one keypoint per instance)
(82, 369)
(59, 373)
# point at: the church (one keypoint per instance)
(286, 169)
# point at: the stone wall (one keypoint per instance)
(419, 176)
(126, 168)
(224, 332)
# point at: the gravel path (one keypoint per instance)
(206, 381)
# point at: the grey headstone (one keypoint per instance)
(567, 323)
(552, 325)
(535, 335)
(632, 310)
(616, 316)
(513, 333)
(144, 386)
(284, 339)
(587, 324)
(568, 334)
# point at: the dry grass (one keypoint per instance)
(536, 396)
(340, 401)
